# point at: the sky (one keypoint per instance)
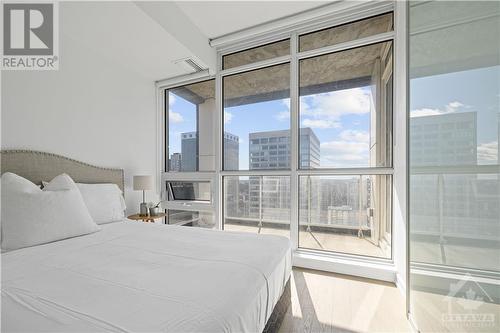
(341, 119)
(476, 90)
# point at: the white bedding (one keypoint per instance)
(138, 277)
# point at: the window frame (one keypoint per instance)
(383, 270)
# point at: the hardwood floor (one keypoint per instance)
(327, 302)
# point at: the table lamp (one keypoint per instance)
(143, 183)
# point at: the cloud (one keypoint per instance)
(356, 136)
(175, 117)
(286, 103)
(487, 153)
(448, 108)
(334, 105)
(171, 99)
(350, 150)
(228, 116)
(282, 116)
(320, 123)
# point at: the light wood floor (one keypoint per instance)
(327, 302)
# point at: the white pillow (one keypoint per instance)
(104, 201)
(31, 216)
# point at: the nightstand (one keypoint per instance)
(146, 218)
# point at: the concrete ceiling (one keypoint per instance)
(217, 18)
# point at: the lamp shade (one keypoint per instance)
(142, 183)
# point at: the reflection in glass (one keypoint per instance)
(257, 117)
(346, 103)
(191, 218)
(191, 118)
(349, 214)
(454, 166)
(257, 204)
(189, 190)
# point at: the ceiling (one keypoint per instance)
(149, 37)
(217, 18)
(123, 33)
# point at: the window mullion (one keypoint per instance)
(294, 144)
(219, 130)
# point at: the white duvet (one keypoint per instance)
(138, 277)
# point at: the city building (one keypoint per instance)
(445, 139)
(269, 197)
(271, 149)
(175, 162)
(447, 203)
(231, 151)
(189, 151)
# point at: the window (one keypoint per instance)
(191, 117)
(191, 218)
(349, 214)
(454, 164)
(258, 204)
(341, 142)
(345, 119)
(249, 98)
(189, 191)
(343, 124)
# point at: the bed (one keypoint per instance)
(141, 277)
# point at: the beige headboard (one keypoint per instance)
(37, 166)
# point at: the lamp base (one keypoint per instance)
(143, 209)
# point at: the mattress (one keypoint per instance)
(140, 277)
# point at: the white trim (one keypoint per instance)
(347, 171)
(255, 173)
(294, 141)
(329, 15)
(399, 231)
(219, 142)
(183, 80)
(192, 206)
(160, 136)
(371, 269)
(447, 271)
(256, 65)
(188, 176)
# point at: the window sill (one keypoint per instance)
(378, 269)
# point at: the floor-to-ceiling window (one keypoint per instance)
(332, 149)
(301, 140)
(345, 116)
(454, 190)
(256, 111)
(189, 156)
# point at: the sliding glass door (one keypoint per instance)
(454, 189)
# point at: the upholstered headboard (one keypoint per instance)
(37, 166)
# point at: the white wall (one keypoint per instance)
(91, 109)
